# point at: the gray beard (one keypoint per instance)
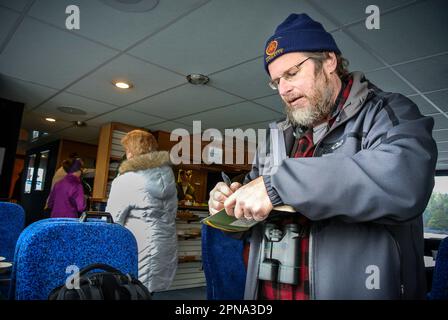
(319, 109)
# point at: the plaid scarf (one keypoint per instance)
(304, 147)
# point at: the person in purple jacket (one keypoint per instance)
(66, 198)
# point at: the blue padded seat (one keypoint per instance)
(12, 222)
(223, 265)
(439, 290)
(46, 248)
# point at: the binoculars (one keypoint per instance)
(280, 258)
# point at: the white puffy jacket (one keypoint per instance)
(143, 198)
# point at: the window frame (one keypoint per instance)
(429, 235)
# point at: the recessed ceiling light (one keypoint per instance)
(79, 123)
(122, 85)
(50, 119)
(196, 78)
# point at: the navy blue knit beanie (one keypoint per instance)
(298, 33)
(76, 166)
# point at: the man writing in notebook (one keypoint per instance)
(356, 165)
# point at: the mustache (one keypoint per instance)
(292, 98)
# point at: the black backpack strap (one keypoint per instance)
(132, 291)
(101, 266)
(61, 293)
(82, 295)
(142, 291)
(95, 293)
(135, 288)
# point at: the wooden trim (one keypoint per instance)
(58, 159)
(124, 127)
(102, 162)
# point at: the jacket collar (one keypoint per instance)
(70, 177)
(358, 94)
(145, 161)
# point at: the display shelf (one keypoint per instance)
(109, 156)
(189, 271)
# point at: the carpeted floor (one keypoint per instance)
(199, 293)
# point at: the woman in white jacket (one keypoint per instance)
(143, 198)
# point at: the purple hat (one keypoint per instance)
(76, 166)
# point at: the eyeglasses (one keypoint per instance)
(288, 75)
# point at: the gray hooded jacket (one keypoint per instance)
(364, 191)
(143, 198)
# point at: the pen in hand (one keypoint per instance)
(226, 179)
(228, 182)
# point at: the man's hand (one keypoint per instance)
(219, 194)
(250, 201)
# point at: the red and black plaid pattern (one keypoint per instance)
(342, 98)
(272, 290)
(305, 145)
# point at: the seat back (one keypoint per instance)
(439, 290)
(12, 222)
(223, 264)
(50, 250)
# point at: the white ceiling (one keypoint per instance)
(47, 66)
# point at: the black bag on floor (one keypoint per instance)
(109, 285)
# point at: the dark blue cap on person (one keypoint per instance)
(76, 166)
(298, 33)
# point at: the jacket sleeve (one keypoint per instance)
(50, 201)
(119, 202)
(254, 172)
(390, 179)
(79, 199)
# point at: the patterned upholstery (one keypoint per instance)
(224, 268)
(46, 248)
(12, 221)
(439, 289)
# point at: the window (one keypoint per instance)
(37, 134)
(30, 173)
(42, 171)
(435, 217)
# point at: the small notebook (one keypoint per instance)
(228, 223)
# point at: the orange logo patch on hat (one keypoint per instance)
(271, 48)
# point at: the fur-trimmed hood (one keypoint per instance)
(145, 161)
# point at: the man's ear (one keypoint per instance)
(331, 63)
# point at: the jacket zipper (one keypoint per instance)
(311, 264)
(311, 240)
